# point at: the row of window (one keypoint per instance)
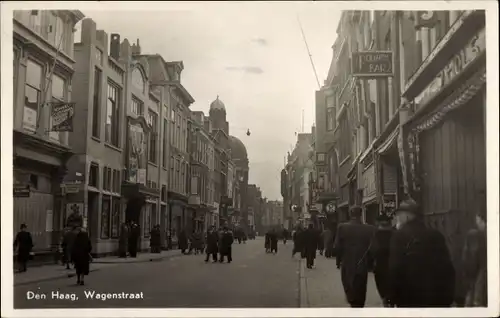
(178, 175)
(111, 178)
(178, 135)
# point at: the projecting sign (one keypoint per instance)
(372, 64)
(21, 190)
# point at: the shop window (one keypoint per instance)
(94, 175)
(105, 216)
(115, 217)
(34, 181)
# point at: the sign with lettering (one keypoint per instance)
(456, 65)
(369, 181)
(372, 64)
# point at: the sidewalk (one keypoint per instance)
(321, 286)
(52, 272)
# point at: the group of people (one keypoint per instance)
(128, 243)
(410, 261)
(271, 241)
(219, 242)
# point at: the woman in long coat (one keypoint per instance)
(328, 242)
(67, 245)
(81, 255)
(24, 244)
(155, 241)
(123, 241)
(274, 241)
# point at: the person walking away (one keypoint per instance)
(81, 255)
(274, 241)
(24, 245)
(183, 241)
(328, 242)
(212, 244)
(321, 243)
(311, 240)
(123, 241)
(380, 255)
(285, 235)
(133, 239)
(475, 264)
(225, 245)
(297, 241)
(155, 241)
(421, 272)
(352, 244)
(267, 242)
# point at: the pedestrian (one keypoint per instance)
(123, 241)
(267, 242)
(298, 241)
(421, 272)
(225, 248)
(274, 241)
(328, 242)
(155, 241)
(352, 244)
(321, 243)
(67, 245)
(81, 255)
(183, 241)
(475, 264)
(133, 242)
(380, 254)
(24, 245)
(285, 235)
(212, 244)
(311, 240)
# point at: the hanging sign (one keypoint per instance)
(372, 64)
(426, 19)
(21, 190)
(62, 116)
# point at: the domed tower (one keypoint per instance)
(240, 158)
(220, 126)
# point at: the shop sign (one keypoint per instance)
(456, 65)
(22, 190)
(372, 64)
(71, 188)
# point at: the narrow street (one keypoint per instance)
(253, 279)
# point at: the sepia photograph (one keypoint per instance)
(250, 156)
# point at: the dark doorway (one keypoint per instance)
(92, 213)
(133, 209)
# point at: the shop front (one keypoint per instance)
(368, 187)
(446, 161)
(38, 172)
(177, 206)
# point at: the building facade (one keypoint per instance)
(43, 69)
(239, 156)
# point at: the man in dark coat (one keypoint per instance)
(80, 254)
(380, 255)
(24, 244)
(311, 240)
(123, 241)
(183, 241)
(286, 234)
(134, 234)
(274, 241)
(212, 244)
(225, 245)
(298, 241)
(155, 241)
(352, 244)
(421, 272)
(267, 241)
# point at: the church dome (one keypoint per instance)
(217, 105)
(238, 149)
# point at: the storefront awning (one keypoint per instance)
(137, 189)
(460, 97)
(389, 142)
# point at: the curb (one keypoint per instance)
(303, 293)
(145, 260)
(34, 281)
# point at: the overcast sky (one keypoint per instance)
(250, 54)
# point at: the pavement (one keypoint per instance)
(50, 272)
(254, 279)
(321, 287)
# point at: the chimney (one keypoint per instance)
(136, 48)
(114, 48)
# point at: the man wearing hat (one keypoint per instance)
(421, 272)
(380, 254)
(352, 245)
